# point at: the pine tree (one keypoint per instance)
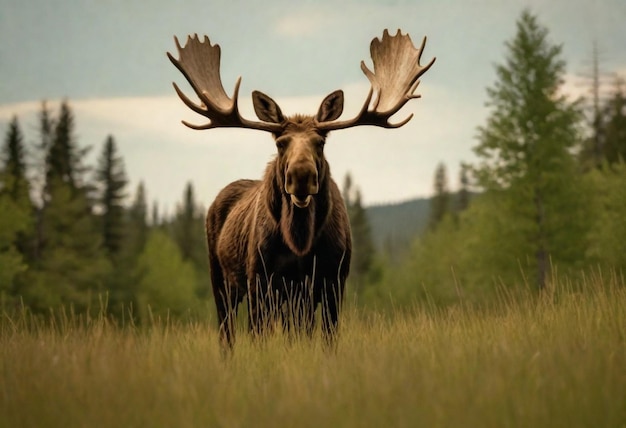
(46, 131)
(111, 179)
(14, 158)
(137, 233)
(155, 217)
(525, 150)
(13, 221)
(122, 284)
(463, 197)
(188, 228)
(439, 204)
(62, 156)
(607, 238)
(614, 114)
(188, 232)
(71, 268)
(363, 251)
(15, 185)
(16, 213)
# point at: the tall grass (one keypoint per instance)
(555, 360)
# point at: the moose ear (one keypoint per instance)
(331, 107)
(266, 108)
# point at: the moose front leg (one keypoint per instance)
(299, 308)
(264, 306)
(227, 302)
(332, 300)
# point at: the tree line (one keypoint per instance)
(68, 240)
(548, 188)
(546, 197)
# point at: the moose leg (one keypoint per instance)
(306, 313)
(263, 307)
(227, 303)
(331, 299)
(297, 306)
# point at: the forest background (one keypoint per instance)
(546, 197)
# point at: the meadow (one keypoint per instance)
(557, 359)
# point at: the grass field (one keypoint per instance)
(556, 360)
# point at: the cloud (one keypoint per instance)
(301, 23)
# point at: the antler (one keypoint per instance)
(394, 81)
(199, 61)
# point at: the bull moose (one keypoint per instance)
(284, 242)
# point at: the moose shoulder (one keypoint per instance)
(283, 242)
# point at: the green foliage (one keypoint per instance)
(63, 157)
(440, 202)
(362, 270)
(532, 215)
(532, 125)
(111, 180)
(16, 211)
(167, 282)
(188, 231)
(525, 151)
(14, 165)
(607, 140)
(72, 268)
(124, 277)
(607, 246)
(614, 120)
(429, 271)
(137, 230)
(13, 220)
(535, 215)
(463, 196)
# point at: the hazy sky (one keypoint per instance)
(108, 59)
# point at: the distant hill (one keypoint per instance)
(394, 226)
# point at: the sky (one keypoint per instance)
(108, 59)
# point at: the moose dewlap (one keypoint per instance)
(283, 242)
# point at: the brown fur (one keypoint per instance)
(279, 256)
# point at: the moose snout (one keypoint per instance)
(301, 181)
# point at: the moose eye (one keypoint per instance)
(281, 144)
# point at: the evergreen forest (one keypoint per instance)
(544, 197)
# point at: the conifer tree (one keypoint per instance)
(72, 267)
(122, 284)
(188, 231)
(16, 186)
(363, 251)
(112, 181)
(137, 233)
(188, 226)
(46, 131)
(614, 114)
(463, 197)
(14, 159)
(16, 213)
(525, 151)
(62, 156)
(439, 204)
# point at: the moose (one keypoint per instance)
(284, 242)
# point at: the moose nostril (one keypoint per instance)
(301, 180)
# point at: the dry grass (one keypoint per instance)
(558, 360)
